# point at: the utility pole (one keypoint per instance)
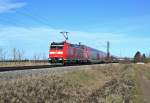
(108, 52)
(65, 34)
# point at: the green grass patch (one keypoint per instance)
(114, 99)
(82, 77)
(147, 73)
(137, 91)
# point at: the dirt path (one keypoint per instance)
(145, 86)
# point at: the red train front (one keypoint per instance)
(66, 53)
(57, 52)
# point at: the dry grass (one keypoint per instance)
(28, 63)
(141, 70)
(146, 70)
(100, 84)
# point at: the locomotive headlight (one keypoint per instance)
(52, 52)
(60, 52)
(60, 58)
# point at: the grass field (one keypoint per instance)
(22, 63)
(113, 83)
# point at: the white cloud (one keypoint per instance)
(36, 40)
(9, 5)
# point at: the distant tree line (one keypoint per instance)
(19, 55)
(140, 57)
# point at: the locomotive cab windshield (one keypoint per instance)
(57, 46)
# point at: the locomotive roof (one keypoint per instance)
(57, 43)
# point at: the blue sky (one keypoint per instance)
(30, 25)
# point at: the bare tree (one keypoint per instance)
(20, 55)
(36, 56)
(44, 57)
(138, 57)
(144, 58)
(2, 54)
(14, 54)
(17, 54)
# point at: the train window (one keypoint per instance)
(54, 43)
(53, 47)
(58, 47)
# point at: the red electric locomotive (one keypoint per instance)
(66, 53)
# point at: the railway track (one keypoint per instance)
(10, 73)
(15, 68)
